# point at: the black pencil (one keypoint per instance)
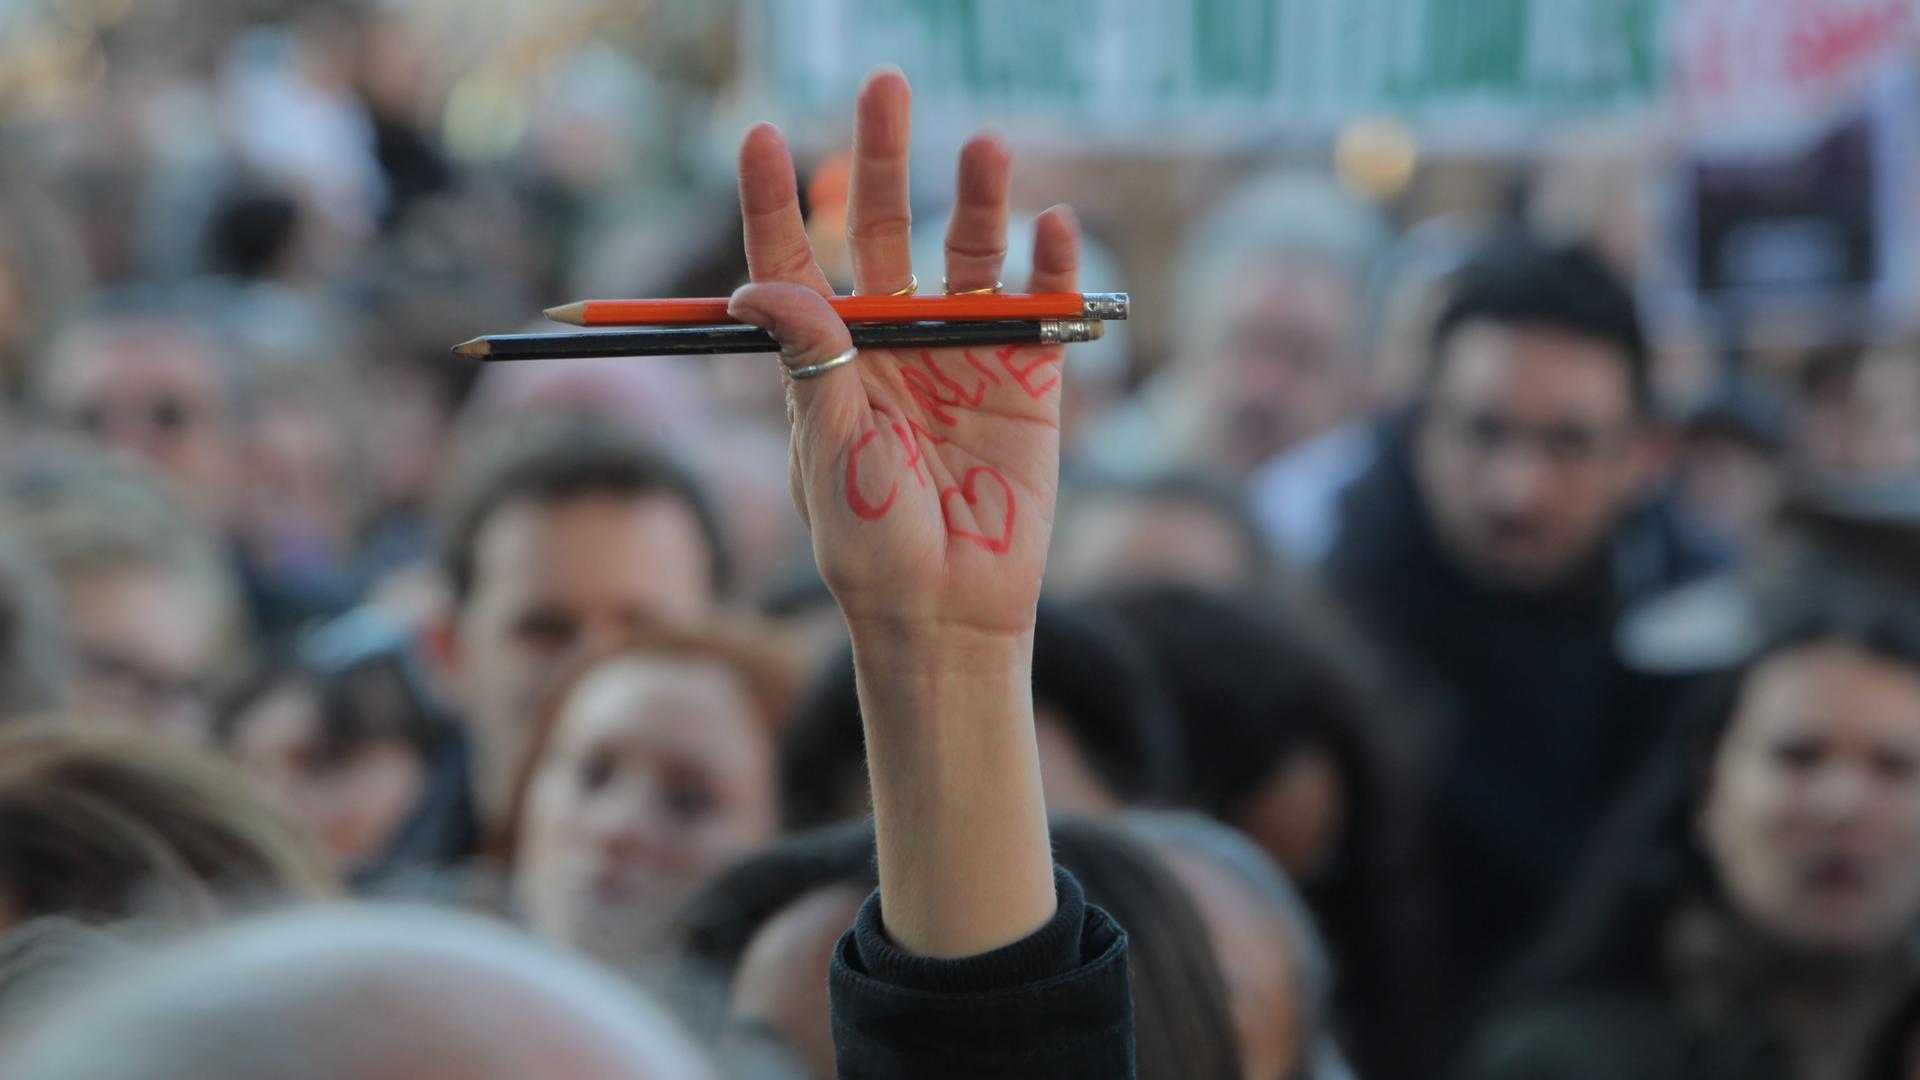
(707, 340)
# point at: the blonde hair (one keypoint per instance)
(82, 512)
(102, 826)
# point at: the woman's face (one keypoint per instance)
(350, 804)
(659, 772)
(1813, 814)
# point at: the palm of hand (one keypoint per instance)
(949, 486)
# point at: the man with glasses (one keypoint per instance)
(1490, 547)
(142, 377)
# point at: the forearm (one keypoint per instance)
(965, 863)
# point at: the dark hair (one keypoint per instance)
(1650, 864)
(1184, 1020)
(365, 680)
(552, 463)
(1519, 279)
(720, 920)
(252, 230)
(101, 826)
(1251, 684)
(1255, 682)
(1093, 675)
(1184, 1024)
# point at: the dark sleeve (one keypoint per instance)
(1052, 1005)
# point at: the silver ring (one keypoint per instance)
(824, 366)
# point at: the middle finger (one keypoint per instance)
(879, 219)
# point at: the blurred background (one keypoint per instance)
(237, 238)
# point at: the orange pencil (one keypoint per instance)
(711, 311)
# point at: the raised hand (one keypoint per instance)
(927, 479)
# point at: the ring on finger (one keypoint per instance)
(912, 286)
(814, 371)
(985, 290)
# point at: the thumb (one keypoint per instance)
(825, 409)
(809, 331)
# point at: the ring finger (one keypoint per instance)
(977, 232)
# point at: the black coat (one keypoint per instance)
(1539, 724)
(1625, 1035)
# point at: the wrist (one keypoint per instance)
(921, 650)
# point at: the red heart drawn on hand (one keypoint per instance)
(996, 544)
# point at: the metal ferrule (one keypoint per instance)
(1069, 331)
(1105, 305)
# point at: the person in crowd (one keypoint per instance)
(1732, 472)
(34, 658)
(1488, 551)
(304, 495)
(1270, 334)
(1278, 970)
(337, 731)
(370, 993)
(1295, 496)
(976, 956)
(652, 769)
(105, 826)
(150, 608)
(1860, 409)
(1753, 913)
(228, 394)
(149, 375)
(768, 927)
(1177, 527)
(1283, 737)
(1106, 737)
(560, 541)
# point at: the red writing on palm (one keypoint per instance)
(943, 397)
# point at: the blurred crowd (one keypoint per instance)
(1444, 668)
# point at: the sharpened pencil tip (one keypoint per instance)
(476, 349)
(575, 313)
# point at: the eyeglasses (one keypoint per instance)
(162, 415)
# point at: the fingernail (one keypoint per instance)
(742, 308)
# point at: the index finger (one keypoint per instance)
(776, 235)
